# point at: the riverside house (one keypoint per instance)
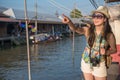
(12, 23)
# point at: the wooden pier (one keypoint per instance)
(11, 41)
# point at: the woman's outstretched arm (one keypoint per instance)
(80, 30)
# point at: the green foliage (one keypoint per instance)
(75, 13)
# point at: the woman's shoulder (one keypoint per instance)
(111, 37)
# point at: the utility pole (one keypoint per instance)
(74, 9)
(73, 36)
(36, 17)
(56, 13)
(27, 39)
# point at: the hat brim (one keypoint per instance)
(97, 11)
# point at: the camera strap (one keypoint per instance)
(100, 47)
(100, 41)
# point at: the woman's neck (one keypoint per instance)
(98, 29)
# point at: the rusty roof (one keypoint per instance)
(7, 20)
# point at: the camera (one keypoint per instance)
(95, 61)
(83, 25)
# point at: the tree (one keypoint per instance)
(75, 13)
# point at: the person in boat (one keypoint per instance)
(100, 41)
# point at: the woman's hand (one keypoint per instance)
(65, 19)
(102, 51)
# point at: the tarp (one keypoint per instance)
(10, 13)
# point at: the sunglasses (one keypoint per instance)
(97, 16)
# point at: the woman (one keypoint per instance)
(100, 42)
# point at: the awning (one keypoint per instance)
(8, 20)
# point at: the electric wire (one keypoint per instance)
(62, 7)
(93, 3)
(58, 7)
(73, 37)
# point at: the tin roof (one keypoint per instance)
(7, 20)
(41, 17)
(19, 14)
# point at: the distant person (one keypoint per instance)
(100, 42)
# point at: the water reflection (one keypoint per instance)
(49, 61)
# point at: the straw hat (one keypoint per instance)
(103, 10)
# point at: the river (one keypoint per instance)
(49, 61)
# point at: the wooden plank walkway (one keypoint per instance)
(114, 71)
(12, 40)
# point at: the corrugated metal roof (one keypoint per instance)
(19, 15)
(7, 20)
(31, 15)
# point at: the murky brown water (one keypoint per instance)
(49, 61)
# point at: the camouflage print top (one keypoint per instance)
(94, 50)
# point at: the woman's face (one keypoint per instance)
(98, 19)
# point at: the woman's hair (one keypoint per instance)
(106, 30)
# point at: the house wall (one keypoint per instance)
(116, 30)
(51, 28)
(115, 24)
(3, 31)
